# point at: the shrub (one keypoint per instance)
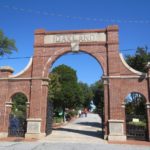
(57, 119)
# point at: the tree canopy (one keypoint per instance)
(19, 105)
(87, 94)
(135, 104)
(64, 90)
(98, 99)
(6, 45)
(139, 60)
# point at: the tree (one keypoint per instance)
(64, 90)
(6, 45)
(98, 99)
(19, 105)
(140, 59)
(87, 94)
(135, 104)
(54, 86)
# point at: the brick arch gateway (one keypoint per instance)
(119, 79)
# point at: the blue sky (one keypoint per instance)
(20, 18)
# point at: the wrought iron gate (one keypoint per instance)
(17, 126)
(49, 118)
(136, 127)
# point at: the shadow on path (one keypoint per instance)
(98, 134)
(92, 124)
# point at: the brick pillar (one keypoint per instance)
(5, 106)
(35, 113)
(148, 121)
(44, 105)
(27, 108)
(7, 111)
(116, 119)
(148, 101)
(106, 108)
(123, 105)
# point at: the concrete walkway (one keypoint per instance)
(80, 134)
(85, 129)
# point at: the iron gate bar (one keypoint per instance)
(49, 118)
(137, 132)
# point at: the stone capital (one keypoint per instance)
(105, 81)
(148, 105)
(123, 104)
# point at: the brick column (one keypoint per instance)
(123, 105)
(35, 112)
(106, 108)
(148, 121)
(5, 106)
(116, 119)
(7, 111)
(44, 105)
(148, 101)
(27, 109)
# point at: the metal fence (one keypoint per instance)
(17, 126)
(136, 130)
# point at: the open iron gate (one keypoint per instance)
(138, 130)
(49, 118)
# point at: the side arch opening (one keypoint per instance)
(136, 116)
(18, 116)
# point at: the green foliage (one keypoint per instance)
(72, 113)
(140, 123)
(19, 105)
(57, 119)
(64, 90)
(135, 104)
(98, 99)
(6, 45)
(54, 86)
(67, 74)
(87, 94)
(140, 59)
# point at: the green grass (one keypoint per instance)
(140, 123)
(57, 120)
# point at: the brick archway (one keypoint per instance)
(119, 79)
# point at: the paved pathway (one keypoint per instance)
(81, 134)
(84, 129)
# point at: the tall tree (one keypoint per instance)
(139, 60)
(19, 105)
(98, 99)
(87, 94)
(6, 45)
(65, 91)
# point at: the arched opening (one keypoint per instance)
(18, 116)
(84, 92)
(136, 116)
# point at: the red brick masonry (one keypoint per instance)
(119, 80)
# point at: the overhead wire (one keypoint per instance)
(69, 17)
(72, 53)
(46, 13)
